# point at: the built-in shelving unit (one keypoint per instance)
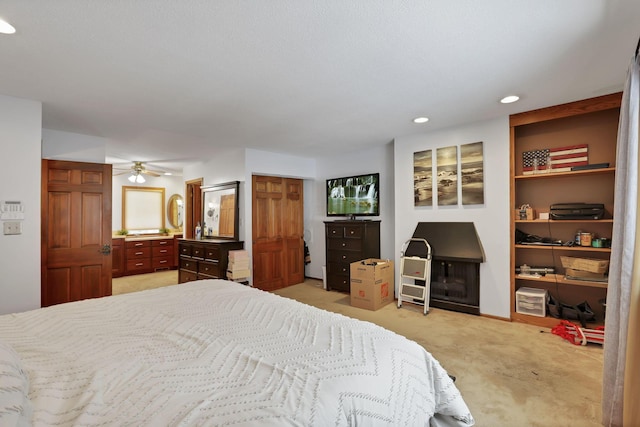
(593, 122)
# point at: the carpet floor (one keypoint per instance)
(510, 374)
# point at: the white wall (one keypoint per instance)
(74, 147)
(226, 166)
(372, 160)
(491, 219)
(21, 133)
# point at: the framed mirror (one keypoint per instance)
(142, 209)
(175, 211)
(220, 211)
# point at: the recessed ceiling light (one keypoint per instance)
(421, 120)
(509, 99)
(168, 173)
(6, 28)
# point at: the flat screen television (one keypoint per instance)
(353, 196)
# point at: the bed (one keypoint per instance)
(218, 353)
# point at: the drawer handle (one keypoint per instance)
(352, 232)
(137, 244)
(139, 253)
(344, 257)
(163, 251)
(333, 231)
(344, 269)
(163, 243)
(163, 261)
(344, 244)
(139, 264)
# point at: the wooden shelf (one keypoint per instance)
(564, 248)
(546, 322)
(565, 221)
(562, 280)
(545, 175)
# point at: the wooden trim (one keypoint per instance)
(605, 102)
(190, 210)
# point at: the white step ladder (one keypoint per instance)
(412, 269)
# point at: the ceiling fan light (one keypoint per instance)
(140, 179)
(132, 178)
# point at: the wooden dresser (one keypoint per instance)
(347, 242)
(140, 255)
(204, 259)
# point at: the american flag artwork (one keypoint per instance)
(528, 158)
(564, 158)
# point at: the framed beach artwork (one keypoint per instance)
(447, 169)
(423, 178)
(472, 173)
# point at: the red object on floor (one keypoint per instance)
(577, 335)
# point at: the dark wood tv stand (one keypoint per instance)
(348, 241)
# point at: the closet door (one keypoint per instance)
(277, 217)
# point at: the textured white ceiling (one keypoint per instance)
(168, 80)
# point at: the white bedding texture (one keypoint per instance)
(217, 353)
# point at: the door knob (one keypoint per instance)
(106, 249)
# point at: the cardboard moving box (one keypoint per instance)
(372, 283)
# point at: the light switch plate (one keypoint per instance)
(12, 227)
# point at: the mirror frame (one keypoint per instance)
(173, 202)
(149, 204)
(209, 193)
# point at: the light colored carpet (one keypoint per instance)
(139, 282)
(510, 374)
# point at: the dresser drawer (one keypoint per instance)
(345, 244)
(136, 244)
(338, 282)
(162, 262)
(187, 276)
(163, 242)
(188, 264)
(335, 231)
(185, 250)
(353, 231)
(138, 253)
(161, 251)
(197, 251)
(210, 269)
(212, 253)
(345, 256)
(139, 264)
(339, 268)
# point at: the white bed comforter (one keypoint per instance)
(218, 353)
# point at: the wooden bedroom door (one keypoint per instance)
(278, 227)
(76, 231)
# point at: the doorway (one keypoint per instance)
(193, 206)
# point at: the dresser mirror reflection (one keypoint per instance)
(220, 211)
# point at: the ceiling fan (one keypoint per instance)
(136, 171)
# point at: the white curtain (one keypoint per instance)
(621, 374)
